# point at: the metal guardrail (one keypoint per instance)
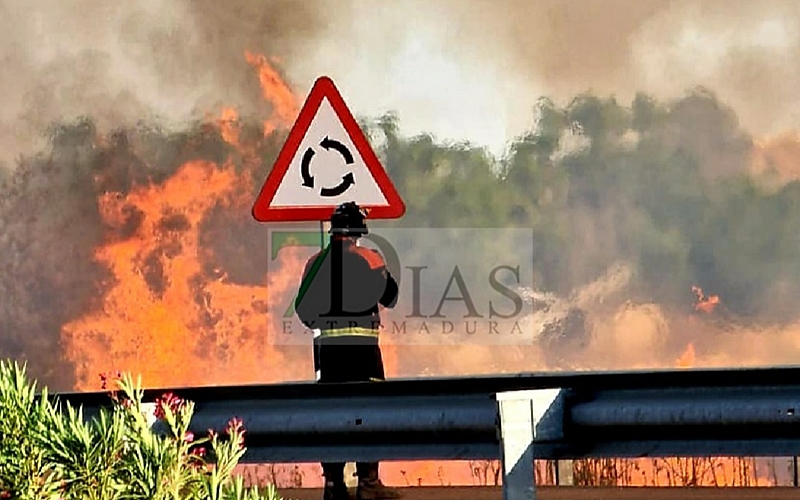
(513, 418)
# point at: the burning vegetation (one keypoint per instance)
(135, 250)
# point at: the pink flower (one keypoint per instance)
(236, 426)
(170, 401)
(188, 437)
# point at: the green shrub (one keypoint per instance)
(49, 450)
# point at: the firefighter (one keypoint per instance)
(340, 293)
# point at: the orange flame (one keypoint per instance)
(687, 359)
(285, 103)
(229, 126)
(155, 325)
(778, 156)
(167, 317)
(705, 303)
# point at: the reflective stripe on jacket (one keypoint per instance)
(355, 331)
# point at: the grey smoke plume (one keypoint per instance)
(746, 51)
(162, 61)
(473, 69)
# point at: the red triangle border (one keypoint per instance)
(324, 88)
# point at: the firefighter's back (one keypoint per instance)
(341, 305)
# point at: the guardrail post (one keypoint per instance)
(565, 475)
(520, 415)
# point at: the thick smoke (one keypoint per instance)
(747, 52)
(160, 61)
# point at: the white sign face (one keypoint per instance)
(327, 169)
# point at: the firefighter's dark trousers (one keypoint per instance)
(345, 359)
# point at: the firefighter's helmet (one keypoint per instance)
(349, 220)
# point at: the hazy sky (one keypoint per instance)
(462, 69)
(474, 69)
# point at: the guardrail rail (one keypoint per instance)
(513, 418)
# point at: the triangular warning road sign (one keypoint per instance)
(326, 161)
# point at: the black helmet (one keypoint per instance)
(348, 220)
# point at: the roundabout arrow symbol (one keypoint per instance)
(308, 179)
(343, 186)
(340, 148)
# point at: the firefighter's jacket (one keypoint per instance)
(341, 289)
